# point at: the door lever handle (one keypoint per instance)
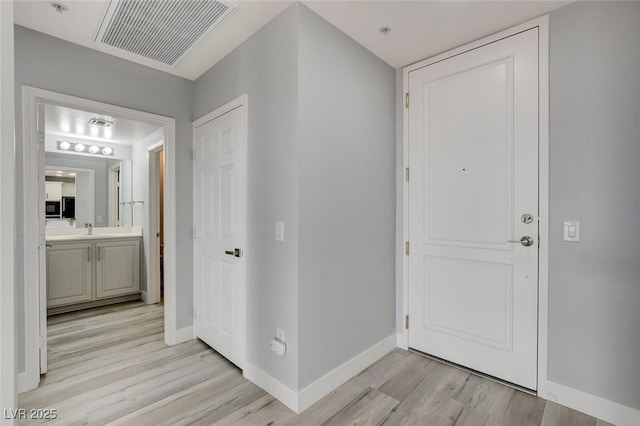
(526, 241)
(235, 252)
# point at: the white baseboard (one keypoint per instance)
(300, 401)
(22, 382)
(144, 296)
(185, 334)
(273, 386)
(330, 381)
(402, 341)
(592, 405)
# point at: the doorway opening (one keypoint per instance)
(96, 254)
(155, 261)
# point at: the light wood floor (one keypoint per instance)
(109, 365)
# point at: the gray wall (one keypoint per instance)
(265, 67)
(594, 314)
(321, 159)
(8, 394)
(346, 198)
(53, 64)
(100, 173)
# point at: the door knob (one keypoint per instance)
(235, 252)
(525, 241)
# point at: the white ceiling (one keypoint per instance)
(73, 123)
(419, 29)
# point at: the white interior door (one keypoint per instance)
(473, 156)
(220, 234)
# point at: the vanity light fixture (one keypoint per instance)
(82, 148)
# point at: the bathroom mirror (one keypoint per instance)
(81, 190)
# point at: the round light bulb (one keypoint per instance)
(64, 145)
(79, 147)
(107, 151)
(94, 149)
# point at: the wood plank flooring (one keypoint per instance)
(110, 366)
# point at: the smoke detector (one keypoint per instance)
(59, 7)
(163, 31)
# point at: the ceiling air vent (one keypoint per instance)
(161, 30)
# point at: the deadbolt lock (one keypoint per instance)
(526, 218)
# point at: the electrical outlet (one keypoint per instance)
(280, 335)
(278, 347)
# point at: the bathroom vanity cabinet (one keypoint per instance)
(88, 271)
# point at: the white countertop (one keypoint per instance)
(78, 234)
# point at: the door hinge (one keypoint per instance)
(194, 154)
(406, 99)
(43, 342)
(406, 174)
(406, 248)
(195, 312)
(406, 322)
(195, 232)
(40, 138)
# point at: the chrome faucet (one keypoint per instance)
(89, 227)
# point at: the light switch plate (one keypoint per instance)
(279, 231)
(572, 230)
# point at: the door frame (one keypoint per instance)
(153, 258)
(239, 102)
(31, 98)
(542, 24)
(114, 188)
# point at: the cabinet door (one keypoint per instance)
(53, 191)
(69, 273)
(117, 268)
(68, 189)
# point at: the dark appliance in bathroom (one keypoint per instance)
(68, 207)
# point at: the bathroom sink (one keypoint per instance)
(91, 237)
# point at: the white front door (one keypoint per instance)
(220, 221)
(473, 158)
